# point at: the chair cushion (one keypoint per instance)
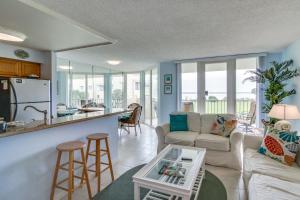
(212, 142)
(280, 145)
(207, 121)
(262, 187)
(186, 138)
(178, 122)
(255, 162)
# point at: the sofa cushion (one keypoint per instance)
(255, 162)
(193, 120)
(186, 138)
(178, 122)
(207, 121)
(280, 145)
(263, 187)
(212, 142)
(223, 126)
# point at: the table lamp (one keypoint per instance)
(284, 112)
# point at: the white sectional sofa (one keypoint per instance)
(220, 151)
(268, 179)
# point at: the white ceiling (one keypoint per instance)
(151, 31)
(44, 31)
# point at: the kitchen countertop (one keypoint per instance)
(60, 121)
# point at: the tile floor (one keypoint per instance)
(136, 150)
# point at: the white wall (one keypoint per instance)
(28, 160)
(47, 59)
(43, 57)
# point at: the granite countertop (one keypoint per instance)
(60, 121)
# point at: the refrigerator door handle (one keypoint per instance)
(16, 101)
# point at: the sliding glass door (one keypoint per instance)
(148, 97)
(133, 88)
(151, 97)
(78, 93)
(189, 86)
(245, 90)
(217, 87)
(154, 104)
(117, 92)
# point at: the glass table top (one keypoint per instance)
(174, 166)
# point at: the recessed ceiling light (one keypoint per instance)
(113, 62)
(10, 35)
(65, 67)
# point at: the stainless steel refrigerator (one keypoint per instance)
(19, 93)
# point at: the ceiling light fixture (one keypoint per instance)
(65, 67)
(113, 62)
(10, 35)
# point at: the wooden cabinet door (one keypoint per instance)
(9, 67)
(30, 69)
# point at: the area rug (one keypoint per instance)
(122, 189)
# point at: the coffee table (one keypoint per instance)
(185, 186)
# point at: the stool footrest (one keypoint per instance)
(92, 170)
(93, 153)
(62, 181)
(106, 168)
(103, 154)
(62, 166)
(62, 188)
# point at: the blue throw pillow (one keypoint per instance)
(178, 122)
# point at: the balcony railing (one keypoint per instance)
(220, 106)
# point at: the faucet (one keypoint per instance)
(41, 111)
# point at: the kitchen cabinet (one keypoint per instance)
(18, 68)
(9, 67)
(28, 68)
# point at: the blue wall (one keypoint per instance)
(264, 63)
(293, 52)
(167, 102)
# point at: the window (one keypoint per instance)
(78, 92)
(245, 90)
(79, 84)
(151, 97)
(117, 91)
(148, 97)
(133, 88)
(216, 88)
(96, 88)
(189, 85)
(154, 97)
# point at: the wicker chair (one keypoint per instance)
(132, 120)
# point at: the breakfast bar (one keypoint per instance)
(28, 153)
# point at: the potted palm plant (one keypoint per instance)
(275, 78)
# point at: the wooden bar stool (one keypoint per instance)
(70, 147)
(98, 153)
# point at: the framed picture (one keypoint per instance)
(168, 78)
(168, 89)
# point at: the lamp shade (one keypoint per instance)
(284, 111)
